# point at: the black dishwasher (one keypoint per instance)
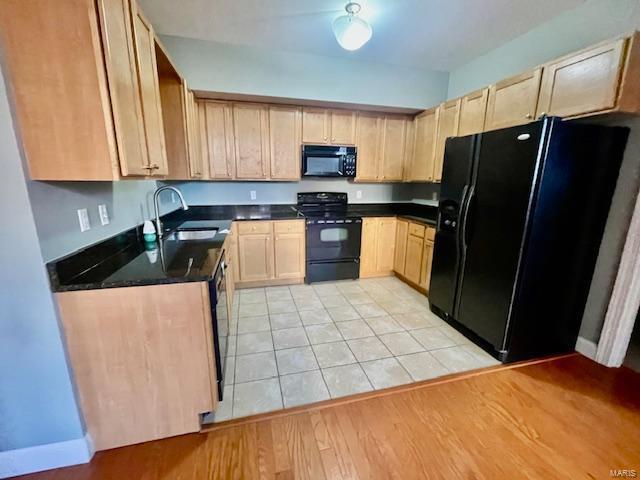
(220, 320)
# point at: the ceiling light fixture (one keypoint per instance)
(351, 31)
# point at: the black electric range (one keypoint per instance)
(332, 236)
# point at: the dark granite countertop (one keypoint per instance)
(124, 260)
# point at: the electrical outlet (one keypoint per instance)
(358, 193)
(252, 194)
(104, 214)
(83, 217)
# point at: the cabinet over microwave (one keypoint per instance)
(328, 161)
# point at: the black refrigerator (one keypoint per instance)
(521, 215)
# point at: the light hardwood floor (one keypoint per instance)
(562, 418)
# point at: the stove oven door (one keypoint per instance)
(329, 240)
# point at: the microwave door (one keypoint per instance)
(323, 166)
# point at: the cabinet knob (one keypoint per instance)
(528, 115)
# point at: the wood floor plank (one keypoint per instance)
(562, 418)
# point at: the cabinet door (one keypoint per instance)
(386, 245)
(409, 150)
(343, 127)
(393, 144)
(149, 92)
(368, 138)
(513, 101)
(368, 247)
(289, 255)
(582, 83)
(194, 136)
(140, 354)
(473, 109)
(426, 130)
(251, 139)
(401, 246)
(427, 260)
(413, 262)
(315, 125)
(285, 127)
(447, 127)
(219, 140)
(255, 253)
(124, 86)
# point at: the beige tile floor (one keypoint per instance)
(301, 344)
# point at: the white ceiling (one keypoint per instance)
(433, 34)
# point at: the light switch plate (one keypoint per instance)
(252, 194)
(83, 218)
(358, 193)
(104, 214)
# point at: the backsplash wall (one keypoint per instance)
(55, 205)
(226, 193)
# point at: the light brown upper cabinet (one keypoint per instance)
(194, 136)
(368, 138)
(149, 91)
(285, 132)
(513, 101)
(251, 140)
(80, 90)
(381, 142)
(394, 131)
(473, 109)
(426, 130)
(218, 139)
(343, 127)
(327, 126)
(601, 78)
(448, 120)
(174, 114)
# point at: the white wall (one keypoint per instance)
(37, 404)
(592, 22)
(219, 67)
(232, 193)
(55, 205)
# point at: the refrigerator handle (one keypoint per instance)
(465, 217)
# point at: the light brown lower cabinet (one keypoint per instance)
(427, 260)
(400, 255)
(270, 252)
(414, 258)
(377, 250)
(142, 359)
(415, 242)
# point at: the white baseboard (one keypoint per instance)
(45, 457)
(586, 348)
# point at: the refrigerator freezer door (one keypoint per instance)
(448, 254)
(507, 161)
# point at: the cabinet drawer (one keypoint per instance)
(416, 230)
(430, 233)
(245, 228)
(288, 226)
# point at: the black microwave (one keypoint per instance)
(328, 161)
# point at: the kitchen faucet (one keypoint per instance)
(156, 195)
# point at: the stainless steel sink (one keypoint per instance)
(193, 234)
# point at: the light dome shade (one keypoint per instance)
(351, 32)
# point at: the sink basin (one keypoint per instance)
(193, 234)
